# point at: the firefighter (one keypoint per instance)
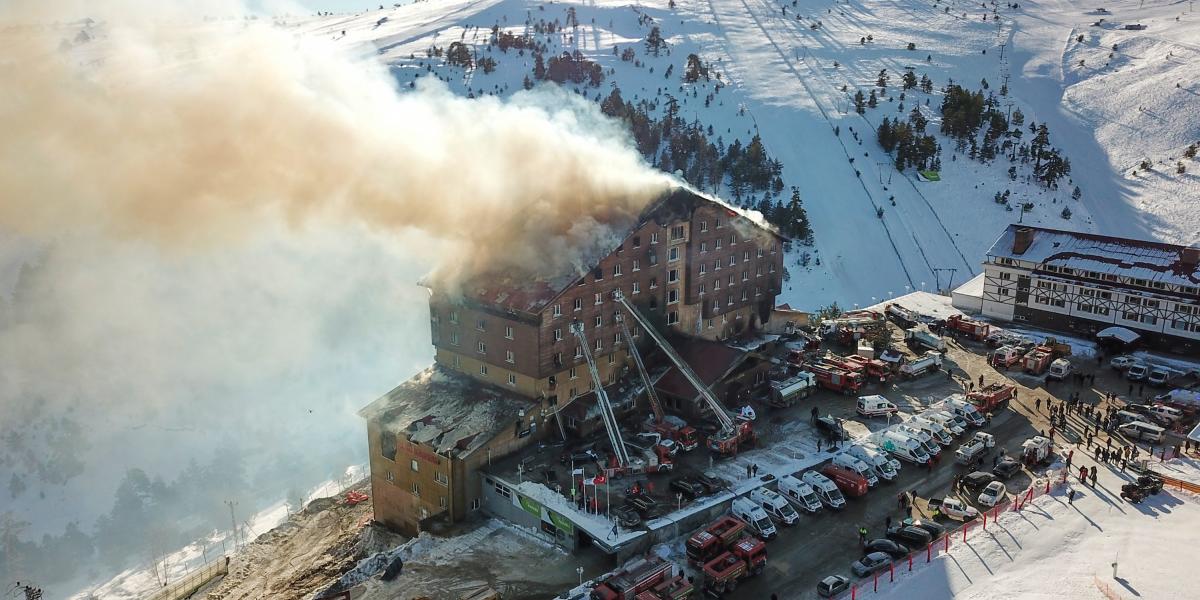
(862, 535)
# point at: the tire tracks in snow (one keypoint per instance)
(828, 121)
(906, 177)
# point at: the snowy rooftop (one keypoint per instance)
(1152, 261)
(448, 411)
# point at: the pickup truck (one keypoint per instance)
(969, 452)
(953, 507)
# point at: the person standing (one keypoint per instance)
(1071, 496)
(1037, 404)
(1093, 475)
(862, 535)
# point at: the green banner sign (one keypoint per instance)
(530, 505)
(561, 522)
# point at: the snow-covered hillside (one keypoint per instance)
(789, 73)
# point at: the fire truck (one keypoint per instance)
(1036, 361)
(992, 396)
(901, 316)
(976, 330)
(836, 379)
(718, 537)
(747, 557)
(872, 368)
(636, 577)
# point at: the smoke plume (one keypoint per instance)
(182, 133)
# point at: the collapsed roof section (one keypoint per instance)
(449, 412)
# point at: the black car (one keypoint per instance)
(975, 481)
(935, 530)
(885, 545)
(1006, 468)
(627, 516)
(689, 488)
(830, 427)
(711, 483)
(645, 506)
(579, 457)
(912, 536)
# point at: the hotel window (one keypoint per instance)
(653, 282)
(672, 296)
(481, 325)
(677, 232)
(617, 270)
(731, 282)
(578, 351)
(703, 247)
(483, 370)
(558, 335)
(758, 271)
(454, 317)
(599, 298)
(558, 310)
(442, 501)
(457, 362)
(637, 265)
(746, 256)
(717, 265)
(673, 254)
(482, 348)
(599, 321)
(672, 276)
(390, 477)
(717, 284)
(773, 248)
(733, 239)
(416, 489)
(744, 294)
(745, 275)
(760, 252)
(729, 300)
(701, 290)
(573, 373)
(672, 318)
(579, 304)
(440, 477)
(732, 259)
(509, 357)
(703, 268)
(757, 292)
(653, 258)
(453, 338)
(508, 332)
(717, 244)
(512, 379)
(637, 241)
(599, 344)
(612, 356)
(637, 288)
(771, 268)
(717, 222)
(414, 465)
(654, 238)
(703, 225)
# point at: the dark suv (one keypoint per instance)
(1006, 468)
(690, 489)
(911, 536)
(977, 480)
(830, 427)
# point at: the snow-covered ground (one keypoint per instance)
(1060, 549)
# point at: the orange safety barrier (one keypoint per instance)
(1181, 485)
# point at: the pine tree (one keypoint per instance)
(872, 101)
(859, 101)
(910, 80)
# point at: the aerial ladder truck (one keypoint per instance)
(673, 428)
(606, 412)
(732, 434)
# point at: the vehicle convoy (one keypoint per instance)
(775, 505)
(745, 558)
(826, 490)
(953, 424)
(875, 406)
(931, 447)
(929, 362)
(933, 429)
(953, 507)
(921, 337)
(799, 494)
(847, 461)
(714, 540)
(638, 576)
(992, 396)
(885, 468)
(755, 517)
(975, 330)
(787, 392)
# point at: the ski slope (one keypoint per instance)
(792, 71)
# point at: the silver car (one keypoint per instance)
(875, 561)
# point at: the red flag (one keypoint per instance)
(599, 479)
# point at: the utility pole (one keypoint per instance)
(233, 522)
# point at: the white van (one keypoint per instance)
(1125, 416)
(965, 411)
(935, 430)
(775, 505)
(886, 468)
(1166, 412)
(904, 447)
(949, 421)
(1060, 369)
(800, 494)
(1137, 372)
(1141, 430)
(926, 440)
(858, 466)
(825, 489)
(755, 517)
(875, 406)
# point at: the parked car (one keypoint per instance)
(935, 529)
(830, 428)
(626, 516)
(975, 481)
(992, 493)
(910, 535)
(1123, 362)
(832, 586)
(1006, 468)
(686, 486)
(886, 546)
(712, 484)
(1158, 377)
(579, 457)
(875, 561)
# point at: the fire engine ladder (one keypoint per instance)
(641, 367)
(716, 406)
(606, 412)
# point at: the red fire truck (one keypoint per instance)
(705, 545)
(747, 557)
(976, 330)
(641, 575)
